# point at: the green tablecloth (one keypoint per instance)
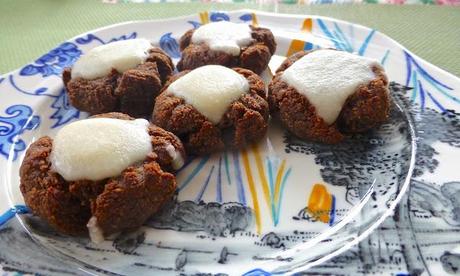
(29, 28)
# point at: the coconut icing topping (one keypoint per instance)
(119, 55)
(98, 148)
(328, 77)
(224, 36)
(211, 89)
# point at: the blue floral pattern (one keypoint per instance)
(40, 91)
(63, 111)
(246, 17)
(90, 38)
(64, 55)
(170, 45)
(219, 16)
(53, 62)
(19, 119)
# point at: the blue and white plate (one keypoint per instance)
(386, 202)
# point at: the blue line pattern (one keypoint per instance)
(414, 85)
(283, 184)
(195, 24)
(227, 169)
(420, 80)
(205, 185)
(195, 171)
(385, 57)
(37, 92)
(343, 41)
(273, 165)
(187, 163)
(257, 272)
(239, 179)
(10, 213)
(219, 182)
(19, 119)
(332, 212)
(363, 47)
(271, 181)
(443, 110)
(422, 95)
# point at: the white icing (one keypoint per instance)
(177, 160)
(98, 148)
(95, 232)
(275, 63)
(210, 89)
(328, 77)
(120, 55)
(223, 36)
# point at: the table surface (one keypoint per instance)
(30, 28)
